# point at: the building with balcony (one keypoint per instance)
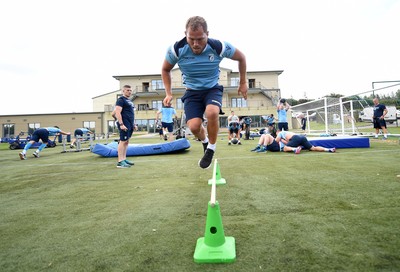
(148, 94)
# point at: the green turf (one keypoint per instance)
(308, 212)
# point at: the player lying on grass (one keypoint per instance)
(291, 142)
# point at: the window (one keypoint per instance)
(252, 83)
(111, 127)
(143, 107)
(179, 104)
(90, 125)
(32, 127)
(108, 108)
(157, 84)
(156, 104)
(141, 124)
(8, 130)
(235, 82)
(145, 86)
(238, 102)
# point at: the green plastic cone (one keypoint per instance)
(214, 247)
(217, 175)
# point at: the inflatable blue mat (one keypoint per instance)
(110, 150)
(340, 141)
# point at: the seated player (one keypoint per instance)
(267, 143)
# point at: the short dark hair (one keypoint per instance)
(195, 22)
(127, 86)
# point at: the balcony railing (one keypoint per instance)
(177, 85)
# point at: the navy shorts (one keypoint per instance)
(125, 135)
(379, 123)
(274, 147)
(195, 102)
(169, 126)
(40, 134)
(283, 126)
(299, 140)
(78, 132)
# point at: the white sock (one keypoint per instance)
(212, 146)
(205, 140)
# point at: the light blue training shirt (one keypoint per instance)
(167, 114)
(199, 72)
(53, 130)
(282, 116)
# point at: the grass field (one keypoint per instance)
(309, 212)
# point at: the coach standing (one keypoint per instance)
(125, 120)
(379, 118)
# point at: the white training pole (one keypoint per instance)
(352, 117)
(326, 114)
(213, 199)
(341, 113)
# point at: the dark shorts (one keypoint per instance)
(274, 147)
(195, 102)
(78, 132)
(125, 135)
(379, 123)
(299, 140)
(169, 126)
(40, 134)
(283, 126)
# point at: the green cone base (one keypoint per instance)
(225, 253)
(217, 182)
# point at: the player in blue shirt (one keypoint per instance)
(198, 58)
(125, 117)
(282, 108)
(79, 132)
(380, 111)
(167, 121)
(43, 135)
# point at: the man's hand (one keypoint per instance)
(167, 100)
(242, 90)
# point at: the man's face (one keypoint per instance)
(127, 92)
(197, 39)
(376, 102)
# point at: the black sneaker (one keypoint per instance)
(205, 147)
(205, 162)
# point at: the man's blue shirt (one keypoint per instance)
(53, 130)
(282, 116)
(127, 112)
(167, 114)
(199, 72)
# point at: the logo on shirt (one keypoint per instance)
(211, 57)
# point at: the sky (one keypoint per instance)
(55, 56)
